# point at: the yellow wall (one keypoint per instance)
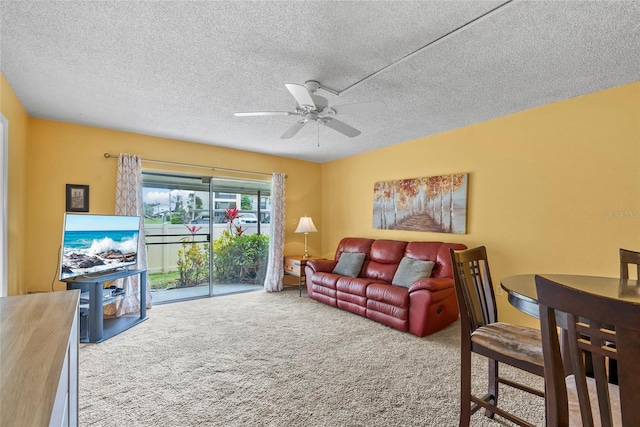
(18, 121)
(553, 189)
(62, 153)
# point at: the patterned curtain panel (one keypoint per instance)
(275, 270)
(129, 202)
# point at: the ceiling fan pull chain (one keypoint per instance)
(318, 124)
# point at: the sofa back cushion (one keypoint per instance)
(437, 252)
(354, 244)
(384, 257)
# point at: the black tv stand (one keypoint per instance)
(100, 328)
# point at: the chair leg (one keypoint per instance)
(613, 371)
(492, 386)
(465, 388)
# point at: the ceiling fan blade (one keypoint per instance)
(293, 129)
(341, 127)
(263, 113)
(301, 94)
(360, 107)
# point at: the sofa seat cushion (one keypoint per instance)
(325, 295)
(353, 285)
(388, 314)
(325, 280)
(353, 303)
(323, 287)
(396, 296)
(351, 294)
(389, 305)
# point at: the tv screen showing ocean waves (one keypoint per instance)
(93, 244)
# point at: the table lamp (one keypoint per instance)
(306, 226)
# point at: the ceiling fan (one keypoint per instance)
(315, 108)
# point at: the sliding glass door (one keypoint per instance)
(205, 236)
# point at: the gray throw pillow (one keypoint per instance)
(411, 270)
(349, 264)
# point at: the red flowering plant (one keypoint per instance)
(193, 229)
(233, 229)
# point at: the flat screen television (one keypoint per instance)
(93, 244)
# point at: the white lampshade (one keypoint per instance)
(306, 225)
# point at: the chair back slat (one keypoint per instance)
(627, 259)
(584, 337)
(473, 282)
(602, 328)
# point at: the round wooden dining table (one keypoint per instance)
(522, 294)
(521, 289)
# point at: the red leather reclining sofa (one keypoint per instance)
(426, 306)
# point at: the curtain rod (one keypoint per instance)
(213, 168)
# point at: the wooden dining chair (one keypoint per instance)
(592, 323)
(627, 259)
(481, 333)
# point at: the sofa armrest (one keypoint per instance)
(321, 265)
(432, 284)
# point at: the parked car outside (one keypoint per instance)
(201, 220)
(245, 218)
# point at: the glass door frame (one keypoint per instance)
(196, 185)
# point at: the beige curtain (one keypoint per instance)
(275, 269)
(129, 202)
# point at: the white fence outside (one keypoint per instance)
(163, 258)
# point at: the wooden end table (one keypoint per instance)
(294, 266)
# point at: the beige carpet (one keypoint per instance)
(261, 359)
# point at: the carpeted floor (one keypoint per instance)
(262, 359)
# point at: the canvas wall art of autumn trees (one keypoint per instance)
(434, 203)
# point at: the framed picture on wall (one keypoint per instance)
(77, 198)
(433, 203)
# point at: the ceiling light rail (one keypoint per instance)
(193, 165)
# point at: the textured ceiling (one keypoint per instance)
(180, 69)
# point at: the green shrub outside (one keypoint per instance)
(240, 258)
(193, 264)
(237, 258)
(177, 218)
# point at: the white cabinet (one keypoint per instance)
(39, 354)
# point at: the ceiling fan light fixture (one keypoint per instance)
(316, 108)
(312, 86)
